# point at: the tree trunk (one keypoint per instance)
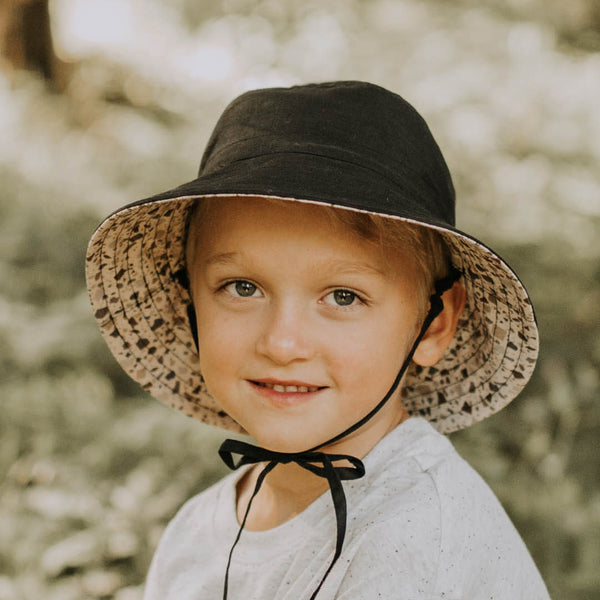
(26, 41)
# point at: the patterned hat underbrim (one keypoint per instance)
(134, 262)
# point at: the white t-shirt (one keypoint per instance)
(422, 525)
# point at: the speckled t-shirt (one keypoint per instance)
(422, 525)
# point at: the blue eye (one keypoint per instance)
(241, 288)
(344, 297)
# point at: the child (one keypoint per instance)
(309, 288)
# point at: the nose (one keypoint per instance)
(284, 337)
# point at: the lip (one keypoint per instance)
(266, 390)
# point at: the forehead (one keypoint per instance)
(226, 226)
(298, 236)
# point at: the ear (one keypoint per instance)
(442, 329)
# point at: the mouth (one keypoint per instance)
(287, 387)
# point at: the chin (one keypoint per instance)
(285, 446)
(289, 444)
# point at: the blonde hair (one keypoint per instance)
(425, 244)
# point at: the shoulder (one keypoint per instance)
(183, 551)
(410, 473)
(206, 513)
(417, 469)
(429, 519)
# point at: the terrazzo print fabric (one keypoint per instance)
(137, 284)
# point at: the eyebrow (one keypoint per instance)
(343, 267)
(346, 267)
(224, 258)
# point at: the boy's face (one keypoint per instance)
(302, 324)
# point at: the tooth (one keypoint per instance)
(302, 388)
(291, 388)
(279, 388)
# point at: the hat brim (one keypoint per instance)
(136, 257)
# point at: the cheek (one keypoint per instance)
(219, 367)
(368, 361)
(217, 346)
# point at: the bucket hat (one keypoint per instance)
(352, 145)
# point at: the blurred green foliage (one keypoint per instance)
(90, 469)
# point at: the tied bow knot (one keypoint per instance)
(249, 454)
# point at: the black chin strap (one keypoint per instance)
(321, 463)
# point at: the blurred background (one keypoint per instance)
(103, 102)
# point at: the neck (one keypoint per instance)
(289, 489)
